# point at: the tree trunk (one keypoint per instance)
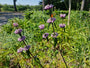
(69, 12)
(43, 4)
(14, 1)
(82, 5)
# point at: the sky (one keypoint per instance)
(20, 2)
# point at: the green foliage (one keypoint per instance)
(27, 7)
(20, 7)
(28, 14)
(75, 41)
(7, 7)
(61, 12)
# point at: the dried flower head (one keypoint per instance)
(54, 35)
(62, 25)
(15, 24)
(41, 26)
(48, 7)
(51, 20)
(18, 31)
(20, 50)
(21, 39)
(26, 48)
(45, 35)
(62, 15)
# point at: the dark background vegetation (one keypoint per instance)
(63, 4)
(58, 4)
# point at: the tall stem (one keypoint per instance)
(60, 50)
(36, 60)
(23, 41)
(62, 21)
(69, 12)
(82, 5)
(43, 4)
(63, 58)
(53, 28)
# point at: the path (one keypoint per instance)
(4, 16)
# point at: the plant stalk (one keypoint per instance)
(53, 28)
(35, 60)
(63, 58)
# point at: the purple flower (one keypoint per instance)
(62, 15)
(26, 48)
(48, 7)
(54, 35)
(51, 20)
(62, 25)
(41, 26)
(20, 50)
(21, 39)
(45, 35)
(18, 31)
(15, 24)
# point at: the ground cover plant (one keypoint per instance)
(53, 43)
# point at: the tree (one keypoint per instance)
(69, 11)
(14, 1)
(43, 3)
(82, 5)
